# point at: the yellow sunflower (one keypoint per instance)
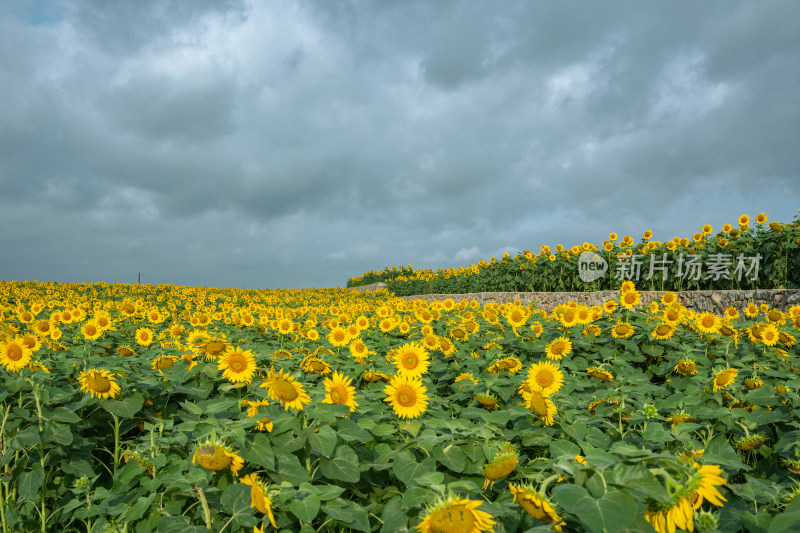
(338, 336)
(724, 378)
(539, 403)
(14, 354)
(558, 348)
(282, 387)
(663, 332)
(545, 377)
(456, 515)
(215, 456)
(99, 383)
(312, 363)
(501, 465)
(259, 496)
(372, 376)
(163, 361)
(144, 336)
(599, 373)
(340, 391)
(407, 396)
(708, 322)
(536, 504)
(411, 360)
(91, 330)
(685, 367)
(238, 365)
(630, 299)
(622, 330)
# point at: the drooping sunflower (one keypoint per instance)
(312, 363)
(599, 373)
(144, 336)
(487, 401)
(685, 367)
(501, 465)
(545, 377)
(14, 354)
(259, 496)
(536, 504)
(214, 455)
(372, 376)
(99, 383)
(163, 361)
(539, 403)
(411, 360)
(282, 387)
(558, 348)
(238, 365)
(724, 378)
(125, 351)
(456, 515)
(339, 390)
(407, 396)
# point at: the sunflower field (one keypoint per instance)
(774, 246)
(137, 408)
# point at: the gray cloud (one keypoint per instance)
(298, 143)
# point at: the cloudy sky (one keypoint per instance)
(294, 144)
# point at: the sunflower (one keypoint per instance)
(708, 322)
(751, 442)
(340, 391)
(539, 403)
(91, 330)
(411, 360)
(338, 336)
(744, 220)
(545, 377)
(213, 347)
(685, 367)
(144, 336)
(512, 364)
(312, 363)
(99, 383)
(663, 332)
(622, 330)
(558, 348)
(769, 335)
(630, 299)
(751, 310)
(215, 456)
(456, 515)
(282, 387)
(465, 376)
(163, 361)
(536, 504)
(14, 354)
(600, 374)
(253, 405)
(446, 347)
(499, 467)
(407, 396)
(372, 376)
(125, 351)
(724, 378)
(487, 401)
(516, 317)
(259, 496)
(238, 365)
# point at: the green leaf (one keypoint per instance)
(610, 514)
(177, 524)
(393, 517)
(323, 441)
(305, 508)
(342, 466)
(62, 414)
(564, 449)
(720, 452)
(259, 452)
(788, 521)
(125, 408)
(28, 436)
(289, 468)
(138, 509)
(406, 468)
(327, 492)
(350, 431)
(59, 434)
(30, 482)
(237, 502)
(452, 457)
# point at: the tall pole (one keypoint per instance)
(140, 278)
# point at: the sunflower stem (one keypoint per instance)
(43, 513)
(116, 442)
(206, 511)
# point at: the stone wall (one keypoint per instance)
(715, 301)
(370, 287)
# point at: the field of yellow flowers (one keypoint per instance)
(726, 259)
(137, 408)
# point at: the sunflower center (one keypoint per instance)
(237, 363)
(29, 342)
(99, 383)
(544, 379)
(662, 330)
(284, 390)
(338, 395)
(406, 396)
(452, 519)
(557, 348)
(14, 352)
(410, 361)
